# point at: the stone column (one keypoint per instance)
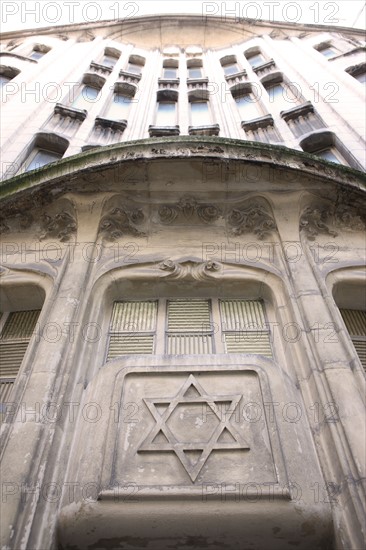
(328, 385)
(31, 459)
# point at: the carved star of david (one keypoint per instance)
(162, 439)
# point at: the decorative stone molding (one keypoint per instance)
(298, 110)
(133, 78)
(160, 131)
(261, 122)
(120, 221)
(240, 76)
(251, 219)
(168, 83)
(347, 218)
(193, 83)
(102, 69)
(17, 56)
(125, 87)
(110, 123)
(303, 119)
(70, 112)
(167, 93)
(54, 178)
(356, 69)
(314, 221)
(60, 226)
(207, 130)
(265, 68)
(188, 207)
(86, 36)
(190, 269)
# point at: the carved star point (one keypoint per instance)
(162, 439)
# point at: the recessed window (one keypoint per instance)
(43, 149)
(108, 61)
(110, 57)
(361, 77)
(18, 328)
(194, 68)
(276, 93)
(328, 51)
(195, 72)
(188, 326)
(38, 52)
(133, 328)
(355, 321)
(36, 55)
(170, 73)
(119, 107)
(7, 74)
(166, 113)
(229, 65)
(200, 113)
(41, 157)
(170, 68)
(134, 69)
(330, 154)
(4, 80)
(358, 72)
(86, 97)
(232, 68)
(281, 95)
(328, 146)
(135, 64)
(248, 106)
(255, 59)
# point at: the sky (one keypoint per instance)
(29, 14)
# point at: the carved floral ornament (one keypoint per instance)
(122, 219)
(315, 220)
(23, 219)
(190, 269)
(61, 225)
(188, 207)
(252, 219)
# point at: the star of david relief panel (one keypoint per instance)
(186, 427)
(187, 448)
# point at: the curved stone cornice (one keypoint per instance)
(131, 27)
(74, 173)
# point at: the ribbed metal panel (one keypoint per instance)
(11, 357)
(193, 344)
(20, 324)
(188, 315)
(242, 314)
(355, 321)
(248, 342)
(360, 347)
(134, 317)
(6, 387)
(130, 345)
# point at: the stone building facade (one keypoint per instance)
(182, 286)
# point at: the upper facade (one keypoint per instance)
(73, 88)
(198, 251)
